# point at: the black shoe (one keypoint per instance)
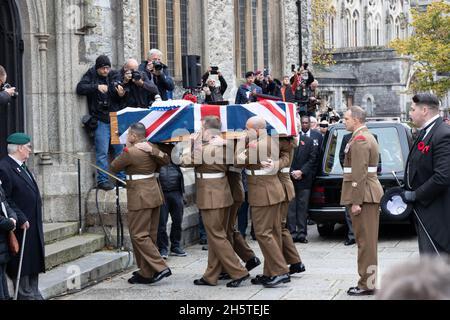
(349, 242)
(161, 275)
(138, 279)
(136, 273)
(178, 252)
(238, 282)
(224, 276)
(107, 186)
(297, 268)
(203, 242)
(311, 223)
(205, 248)
(202, 282)
(355, 291)
(301, 240)
(260, 279)
(274, 281)
(252, 263)
(164, 254)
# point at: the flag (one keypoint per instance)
(164, 120)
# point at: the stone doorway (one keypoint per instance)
(11, 52)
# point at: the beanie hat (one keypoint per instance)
(102, 61)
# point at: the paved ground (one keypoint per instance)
(331, 270)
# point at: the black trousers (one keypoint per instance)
(297, 222)
(4, 294)
(425, 245)
(175, 207)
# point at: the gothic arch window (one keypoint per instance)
(331, 28)
(370, 30)
(347, 29)
(252, 35)
(391, 28)
(355, 29)
(165, 26)
(397, 28)
(377, 32)
(369, 105)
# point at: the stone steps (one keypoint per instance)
(72, 248)
(59, 231)
(81, 273)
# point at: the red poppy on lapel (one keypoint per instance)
(423, 147)
(302, 142)
(125, 150)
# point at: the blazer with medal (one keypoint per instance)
(428, 174)
(360, 184)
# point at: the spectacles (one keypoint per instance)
(324, 126)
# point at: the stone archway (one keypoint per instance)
(11, 53)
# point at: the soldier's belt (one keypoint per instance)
(235, 170)
(210, 175)
(260, 173)
(370, 170)
(135, 177)
(285, 170)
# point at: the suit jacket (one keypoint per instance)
(6, 225)
(428, 173)
(147, 193)
(265, 190)
(22, 194)
(287, 146)
(305, 160)
(210, 193)
(360, 186)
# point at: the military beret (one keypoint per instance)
(18, 139)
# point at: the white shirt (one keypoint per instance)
(428, 123)
(308, 134)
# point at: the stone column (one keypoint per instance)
(131, 29)
(219, 42)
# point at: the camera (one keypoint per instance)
(103, 105)
(136, 76)
(158, 65)
(214, 70)
(266, 73)
(8, 86)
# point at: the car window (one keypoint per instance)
(392, 158)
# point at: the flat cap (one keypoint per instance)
(18, 139)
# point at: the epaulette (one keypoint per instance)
(360, 138)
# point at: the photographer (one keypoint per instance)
(213, 93)
(302, 81)
(134, 87)
(6, 91)
(97, 85)
(158, 71)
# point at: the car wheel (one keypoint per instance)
(325, 229)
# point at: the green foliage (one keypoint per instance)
(430, 47)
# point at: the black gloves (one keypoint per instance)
(409, 196)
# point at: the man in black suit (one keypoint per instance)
(303, 171)
(427, 175)
(23, 196)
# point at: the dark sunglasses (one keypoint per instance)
(324, 126)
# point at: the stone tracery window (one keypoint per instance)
(252, 35)
(355, 29)
(165, 26)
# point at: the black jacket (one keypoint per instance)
(22, 194)
(171, 178)
(6, 226)
(305, 156)
(164, 82)
(216, 93)
(4, 99)
(88, 86)
(428, 173)
(135, 96)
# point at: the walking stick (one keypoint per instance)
(16, 293)
(418, 219)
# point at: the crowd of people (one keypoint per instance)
(270, 179)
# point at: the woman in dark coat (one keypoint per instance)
(7, 215)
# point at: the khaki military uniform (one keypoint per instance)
(290, 252)
(236, 239)
(214, 199)
(265, 195)
(145, 198)
(361, 187)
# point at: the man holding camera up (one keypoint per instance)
(213, 93)
(158, 71)
(134, 87)
(97, 85)
(6, 91)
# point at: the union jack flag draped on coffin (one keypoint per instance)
(164, 119)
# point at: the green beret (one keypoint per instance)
(18, 139)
